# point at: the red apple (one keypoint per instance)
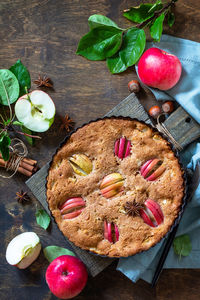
(159, 69)
(66, 276)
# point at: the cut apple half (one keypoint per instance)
(23, 250)
(35, 110)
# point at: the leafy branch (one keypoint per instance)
(121, 48)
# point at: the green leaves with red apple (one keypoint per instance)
(122, 48)
(182, 245)
(52, 252)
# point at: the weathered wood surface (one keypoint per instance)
(44, 34)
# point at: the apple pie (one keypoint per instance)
(115, 187)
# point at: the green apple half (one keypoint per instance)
(35, 110)
(23, 250)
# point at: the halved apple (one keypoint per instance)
(23, 250)
(35, 110)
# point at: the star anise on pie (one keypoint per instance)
(22, 197)
(43, 81)
(132, 208)
(67, 123)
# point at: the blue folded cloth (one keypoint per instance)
(186, 93)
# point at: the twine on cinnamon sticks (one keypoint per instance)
(17, 161)
(162, 128)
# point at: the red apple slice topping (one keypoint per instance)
(122, 147)
(111, 232)
(72, 208)
(152, 213)
(152, 169)
(116, 232)
(112, 185)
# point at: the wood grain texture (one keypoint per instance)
(182, 127)
(44, 35)
(130, 107)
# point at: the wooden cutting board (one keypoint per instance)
(183, 128)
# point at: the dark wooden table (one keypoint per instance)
(44, 35)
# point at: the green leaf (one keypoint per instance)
(143, 12)
(132, 47)
(100, 43)
(182, 245)
(23, 76)
(9, 87)
(52, 252)
(42, 218)
(95, 21)
(157, 27)
(29, 139)
(171, 19)
(156, 6)
(17, 123)
(5, 142)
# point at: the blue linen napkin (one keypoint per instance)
(187, 94)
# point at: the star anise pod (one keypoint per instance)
(43, 81)
(22, 197)
(67, 123)
(133, 208)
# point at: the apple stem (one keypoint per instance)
(65, 273)
(156, 14)
(26, 134)
(29, 135)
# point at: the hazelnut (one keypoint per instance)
(154, 111)
(168, 107)
(134, 86)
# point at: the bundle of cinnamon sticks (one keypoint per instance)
(26, 167)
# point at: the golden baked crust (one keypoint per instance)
(96, 140)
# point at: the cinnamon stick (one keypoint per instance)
(20, 169)
(27, 160)
(26, 167)
(30, 161)
(21, 164)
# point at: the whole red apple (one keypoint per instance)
(159, 69)
(66, 276)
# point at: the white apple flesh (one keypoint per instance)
(23, 250)
(35, 110)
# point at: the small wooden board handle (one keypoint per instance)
(130, 107)
(182, 127)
